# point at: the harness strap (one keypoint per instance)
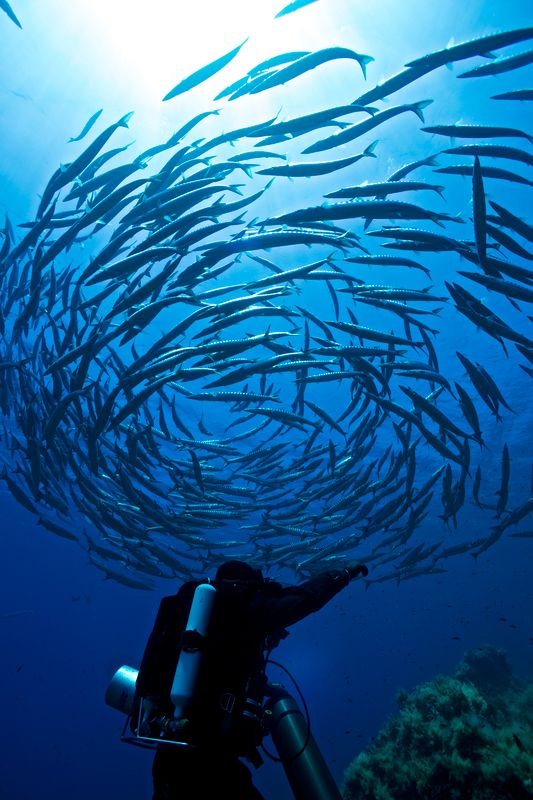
(191, 641)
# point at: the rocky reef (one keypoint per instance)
(466, 735)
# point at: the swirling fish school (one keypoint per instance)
(337, 424)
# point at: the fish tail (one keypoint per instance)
(123, 123)
(363, 61)
(369, 151)
(419, 107)
(431, 161)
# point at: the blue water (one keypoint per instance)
(63, 628)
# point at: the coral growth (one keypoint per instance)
(468, 735)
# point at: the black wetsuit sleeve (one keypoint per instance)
(290, 604)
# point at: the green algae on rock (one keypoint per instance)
(465, 735)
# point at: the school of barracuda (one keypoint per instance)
(342, 436)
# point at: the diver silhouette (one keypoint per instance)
(223, 719)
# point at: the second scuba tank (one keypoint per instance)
(304, 765)
(190, 657)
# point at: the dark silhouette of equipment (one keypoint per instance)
(307, 772)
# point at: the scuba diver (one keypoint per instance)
(223, 719)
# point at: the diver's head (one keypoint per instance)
(239, 571)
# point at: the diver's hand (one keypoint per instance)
(357, 569)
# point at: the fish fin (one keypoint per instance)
(418, 108)
(123, 122)
(363, 61)
(369, 151)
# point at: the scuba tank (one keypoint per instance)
(306, 770)
(192, 643)
(157, 697)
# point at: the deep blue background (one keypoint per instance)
(60, 740)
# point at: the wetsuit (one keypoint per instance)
(246, 619)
